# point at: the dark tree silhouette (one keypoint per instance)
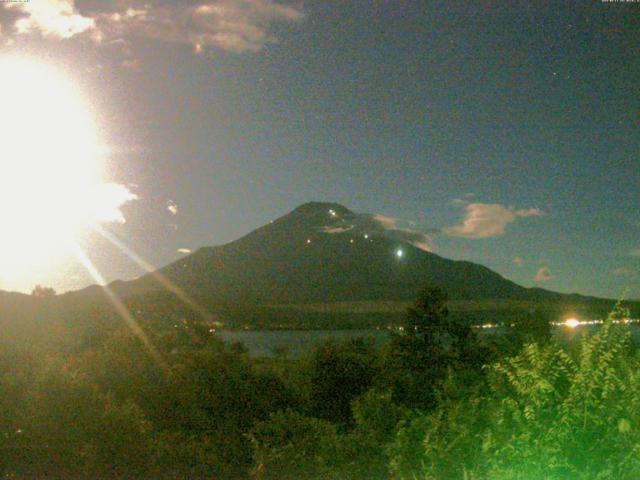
(430, 346)
(42, 291)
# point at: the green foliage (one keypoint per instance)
(290, 446)
(63, 424)
(569, 417)
(545, 414)
(338, 373)
(443, 444)
(361, 452)
(95, 404)
(108, 410)
(431, 346)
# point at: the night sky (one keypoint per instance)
(506, 130)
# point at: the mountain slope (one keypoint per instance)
(323, 252)
(320, 266)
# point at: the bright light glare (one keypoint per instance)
(572, 322)
(399, 253)
(50, 186)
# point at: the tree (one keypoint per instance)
(290, 446)
(338, 373)
(430, 345)
(43, 292)
(361, 453)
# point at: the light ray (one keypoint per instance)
(121, 309)
(159, 277)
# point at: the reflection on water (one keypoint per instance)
(262, 343)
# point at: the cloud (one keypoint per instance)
(52, 18)
(422, 244)
(377, 225)
(172, 207)
(543, 275)
(233, 25)
(399, 230)
(518, 262)
(485, 220)
(339, 229)
(108, 200)
(622, 271)
(184, 250)
(389, 223)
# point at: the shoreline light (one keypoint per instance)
(572, 322)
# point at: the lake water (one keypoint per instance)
(264, 343)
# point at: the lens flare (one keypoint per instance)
(51, 185)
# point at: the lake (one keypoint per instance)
(264, 343)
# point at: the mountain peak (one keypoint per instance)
(325, 208)
(315, 215)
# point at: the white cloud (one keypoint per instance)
(543, 275)
(485, 220)
(518, 262)
(233, 25)
(379, 226)
(184, 250)
(385, 221)
(395, 229)
(172, 207)
(399, 230)
(422, 245)
(108, 200)
(339, 229)
(55, 18)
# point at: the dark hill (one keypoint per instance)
(323, 252)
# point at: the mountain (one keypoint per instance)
(324, 252)
(320, 266)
